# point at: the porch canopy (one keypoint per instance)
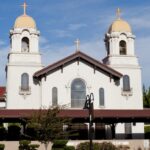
(80, 115)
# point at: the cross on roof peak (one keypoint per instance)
(77, 42)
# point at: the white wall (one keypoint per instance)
(113, 97)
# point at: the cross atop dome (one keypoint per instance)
(24, 7)
(118, 13)
(25, 21)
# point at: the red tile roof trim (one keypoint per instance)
(7, 113)
(2, 91)
(2, 94)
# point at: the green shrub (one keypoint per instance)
(147, 129)
(24, 145)
(57, 148)
(97, 146)
(123, 147)
(14, 132)
(59, 143)
(86, 145)
(31, 131)
(69, 148)
(3, 133)
(2, 146)
(34, 146)
(107, 146)
(24, 142)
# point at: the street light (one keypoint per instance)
(89, 105)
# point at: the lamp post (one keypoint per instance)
(89, 105)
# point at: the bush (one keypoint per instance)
(59, 143)
(147, 129)
(86, 145)
(2, 146)
(31, 132)
(97, 146)
(13, 132)
(3, 133)
(69, 148)
(34, 146)
(123, 147)
(24, 145)
(107, 146)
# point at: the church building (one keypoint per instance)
(115, 81)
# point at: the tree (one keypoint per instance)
(146, 97)
(48, 125)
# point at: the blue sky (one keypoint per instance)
(61, 22)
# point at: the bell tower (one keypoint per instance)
(121, 56)
(24, 59)
(119, 41)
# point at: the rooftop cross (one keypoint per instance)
(118, 12)
(24, 7)
(77, 42)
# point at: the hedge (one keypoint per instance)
(69, 148)
(147, 129)
(2, 146)
(26, 145)
(59, 145)
(97, 146)
(13, 132)
(3, 133)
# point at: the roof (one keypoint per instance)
(78, 56)
(80, 115)
(119, 25)
(2, 94)
(25, 21)
(2, 91)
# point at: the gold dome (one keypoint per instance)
(119, 25)
(25, 21)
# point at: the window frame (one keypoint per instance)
(122, 47)
(126, 83)
(54, 96)
(78, 96)
(101, 97)
(25, 82)
(27, 41)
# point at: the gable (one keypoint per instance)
(78, 57)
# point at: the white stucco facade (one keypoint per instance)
(25, 58)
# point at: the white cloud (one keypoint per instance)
(76, 26)
(54, 52)
(43, 40)
(140, 22)
(2, 43)
(3, 61)
(143, 51)
(60, 33)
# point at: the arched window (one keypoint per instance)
(25, 44)
(25, 82)
(78, 93)
(123, 48)
(54, 96)
(126, 83)
(101, 97)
